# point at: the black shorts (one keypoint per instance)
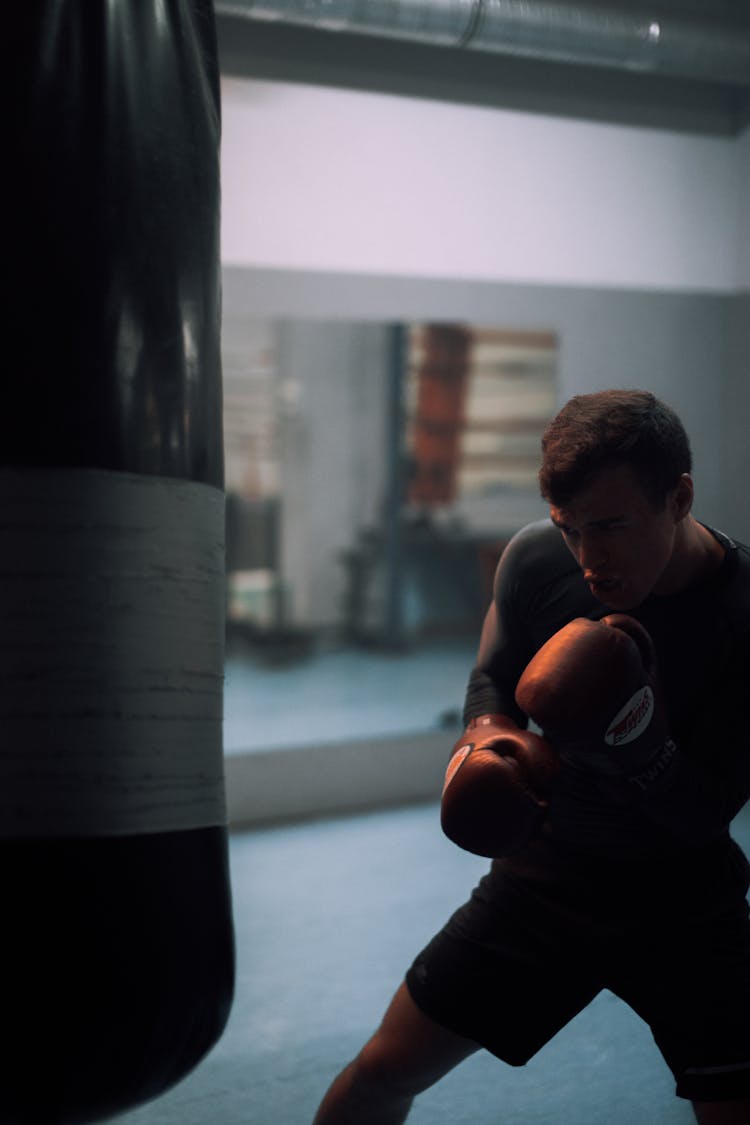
(532, 947)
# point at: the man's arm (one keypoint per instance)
(494, 676)
(494, 795)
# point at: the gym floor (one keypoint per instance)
(328, 915)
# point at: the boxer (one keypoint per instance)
(603, 760)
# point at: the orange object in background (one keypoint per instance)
(442, 382)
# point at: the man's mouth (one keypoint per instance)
(601, 585)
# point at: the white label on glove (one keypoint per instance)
(631, 720)
(460, 756)
(111, 653)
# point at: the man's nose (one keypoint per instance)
(592, 555)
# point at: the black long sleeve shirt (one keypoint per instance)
(702, 641)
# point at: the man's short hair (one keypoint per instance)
(609, 428)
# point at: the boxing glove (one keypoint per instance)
(496, 785)
(593, 689)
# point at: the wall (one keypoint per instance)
(734, 450)
(347, 205)
(743, 212)
(337, 180)
(633, 245)
(734, 386)
(675, 344)
(324, 780)
(333, 455)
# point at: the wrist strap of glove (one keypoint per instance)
(473, 734)
(474, 726)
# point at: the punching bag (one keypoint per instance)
(116, 942)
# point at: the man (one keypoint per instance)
(622, 627)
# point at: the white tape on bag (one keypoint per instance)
(111, 653)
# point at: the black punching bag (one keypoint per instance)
(116, 943)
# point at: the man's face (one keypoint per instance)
(623, 545)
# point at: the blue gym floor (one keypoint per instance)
(328, 915)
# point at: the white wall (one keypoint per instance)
(631, 244)
(336, 180)
(333, 456)
(734, 448)
(743, 221)
(685, 347)
(735, 384)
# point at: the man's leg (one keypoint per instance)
(408, 1053)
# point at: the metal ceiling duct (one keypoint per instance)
(700, 48)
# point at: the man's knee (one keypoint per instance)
(409, 1052)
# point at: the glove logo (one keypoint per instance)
(457, 759)
(631, 720)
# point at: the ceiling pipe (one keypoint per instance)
(664, 43)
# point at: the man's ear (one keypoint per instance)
(682, 497)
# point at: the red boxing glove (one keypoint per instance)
(495, 786)
(593, 690)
